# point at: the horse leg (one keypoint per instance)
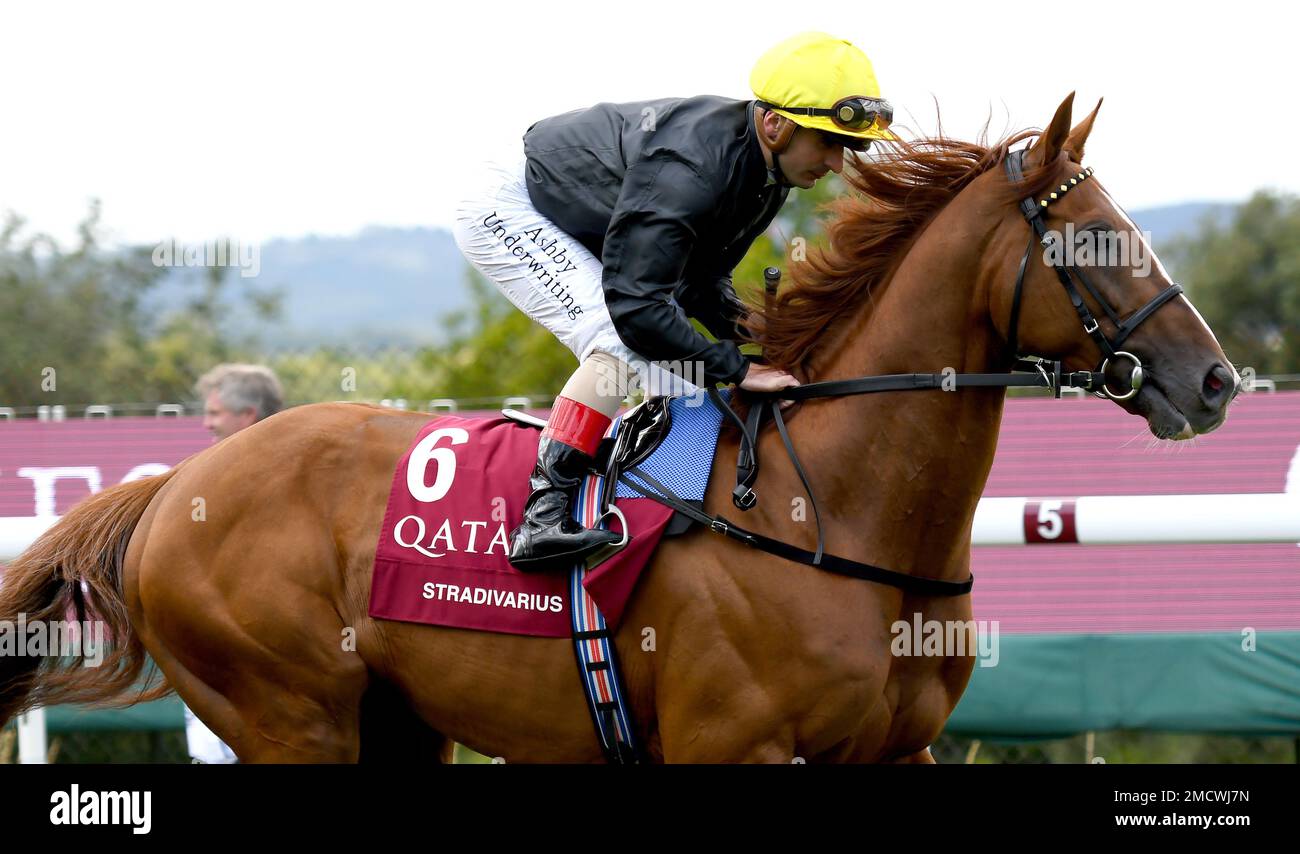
(772, 751)
(746, 728)
(920, 757)
(725, 741)
(385, 730)
(263, 720)
(391, 732)
(274, 690)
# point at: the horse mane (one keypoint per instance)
(891, 198)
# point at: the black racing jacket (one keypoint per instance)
(669, 194)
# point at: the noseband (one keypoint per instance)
(1035, 212)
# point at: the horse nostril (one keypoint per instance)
(1216, 385)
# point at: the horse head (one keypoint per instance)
(1090, 291)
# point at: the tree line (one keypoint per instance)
(77, 324)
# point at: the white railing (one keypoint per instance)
(1089, 520)
(1139, 519)
(19, 532)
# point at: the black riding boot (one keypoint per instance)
(550, 537)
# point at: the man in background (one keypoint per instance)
(234, 397)
(238, 396)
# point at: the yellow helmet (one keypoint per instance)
(821, 82)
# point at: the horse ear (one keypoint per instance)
(1053, 139)
(1078, 136)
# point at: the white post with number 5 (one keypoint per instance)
(1138, 519)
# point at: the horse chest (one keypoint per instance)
(894, 700)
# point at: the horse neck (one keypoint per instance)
(902, 471)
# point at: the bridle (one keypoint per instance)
(1035, 212)
(1037, 373)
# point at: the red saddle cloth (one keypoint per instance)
(457, 494)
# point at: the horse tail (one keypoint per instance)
(76, 566)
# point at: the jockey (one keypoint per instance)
(618, 221)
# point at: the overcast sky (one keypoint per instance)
(262, 119)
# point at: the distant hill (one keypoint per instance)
(393, 286)
(381, 287)
(1172, 221)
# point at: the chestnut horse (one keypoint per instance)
(249, 611)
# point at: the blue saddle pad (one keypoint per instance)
(683, 461)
